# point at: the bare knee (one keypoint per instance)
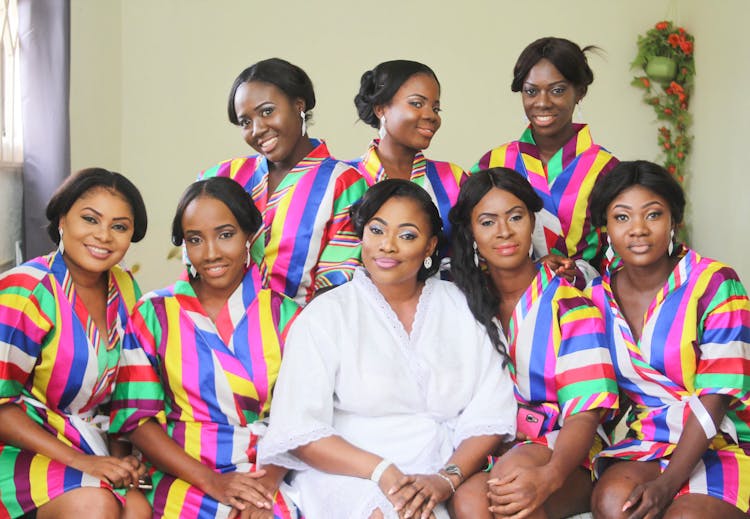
(136, 506)
(698, 506)
(470, 500)
(92, 503)
(608, 497)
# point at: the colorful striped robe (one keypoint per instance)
(695, 341)
(57, 368)
(442, 180)
(208, 384)
(307, 241)
(560, 362)
(563, 226)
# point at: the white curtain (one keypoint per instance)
(44, 40)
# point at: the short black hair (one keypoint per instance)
(225, 190)
(379, 85)
(289, 78)
(374, 198)
(636, 173)
(78, 184)
(566, 56)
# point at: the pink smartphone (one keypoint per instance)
(529, 422)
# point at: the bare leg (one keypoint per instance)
(470, 500)
(698, 506)
(91, 503)
(616, 484)
(136, 506)
(572, 498)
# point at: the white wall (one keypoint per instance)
(153, 105)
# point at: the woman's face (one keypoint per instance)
(639, 225)
(549, 100)
(97, 231)
(396, 241)
(270, 121)
(215, 243)
(413, 116)
(502, 227)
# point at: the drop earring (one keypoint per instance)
(193, 272)
(610, 254)
(427, 262)
(381, 130)
(304, 123)
(476, 254)
(579, 111)
(248, 259)
(670, 248)
(60, 245)
(531, 251)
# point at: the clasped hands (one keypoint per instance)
(414, 495)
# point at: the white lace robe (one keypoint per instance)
(350, 369)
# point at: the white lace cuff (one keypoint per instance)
(275, 448)
(507, 431)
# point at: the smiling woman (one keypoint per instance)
(306, 243)
(558, 157)
(62, 322)
(376, 407)
(402, 99)
(220, 326)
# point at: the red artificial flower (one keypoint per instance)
(667, 111)
(673, 40)
(662, 26)
(687, 47)
(646, 82)
(683, 106)
(681, 31)
(667, 145)
(671, 169)
(680, 155)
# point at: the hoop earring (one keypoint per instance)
(304, 123)
(476, 254)
(381, 130)
(60, 244)
(248, 259)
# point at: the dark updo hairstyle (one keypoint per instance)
(480, 292)
(230, 193)
(288, 78)
(566, 56)
(80, 183)
(364, 210)
(636, 173)
(378, 86)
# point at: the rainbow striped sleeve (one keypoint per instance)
(341, 253)
(139, 394)
(25, 309)
(724, 331)
(585, 377)
(492, 159)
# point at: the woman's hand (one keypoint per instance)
(120, 473)
(649, 499)
(561, 266)
(414, 495)
(240, 490)
(520, 491)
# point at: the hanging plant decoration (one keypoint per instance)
(665, 54)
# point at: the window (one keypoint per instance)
(11, 138)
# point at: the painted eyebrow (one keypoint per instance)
(261, 105)
(647, 204)
(407, 224)
(514, 208)
(100, 214)
(554, 83)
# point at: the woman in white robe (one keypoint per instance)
(390, 393)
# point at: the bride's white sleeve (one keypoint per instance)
(302, 404)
